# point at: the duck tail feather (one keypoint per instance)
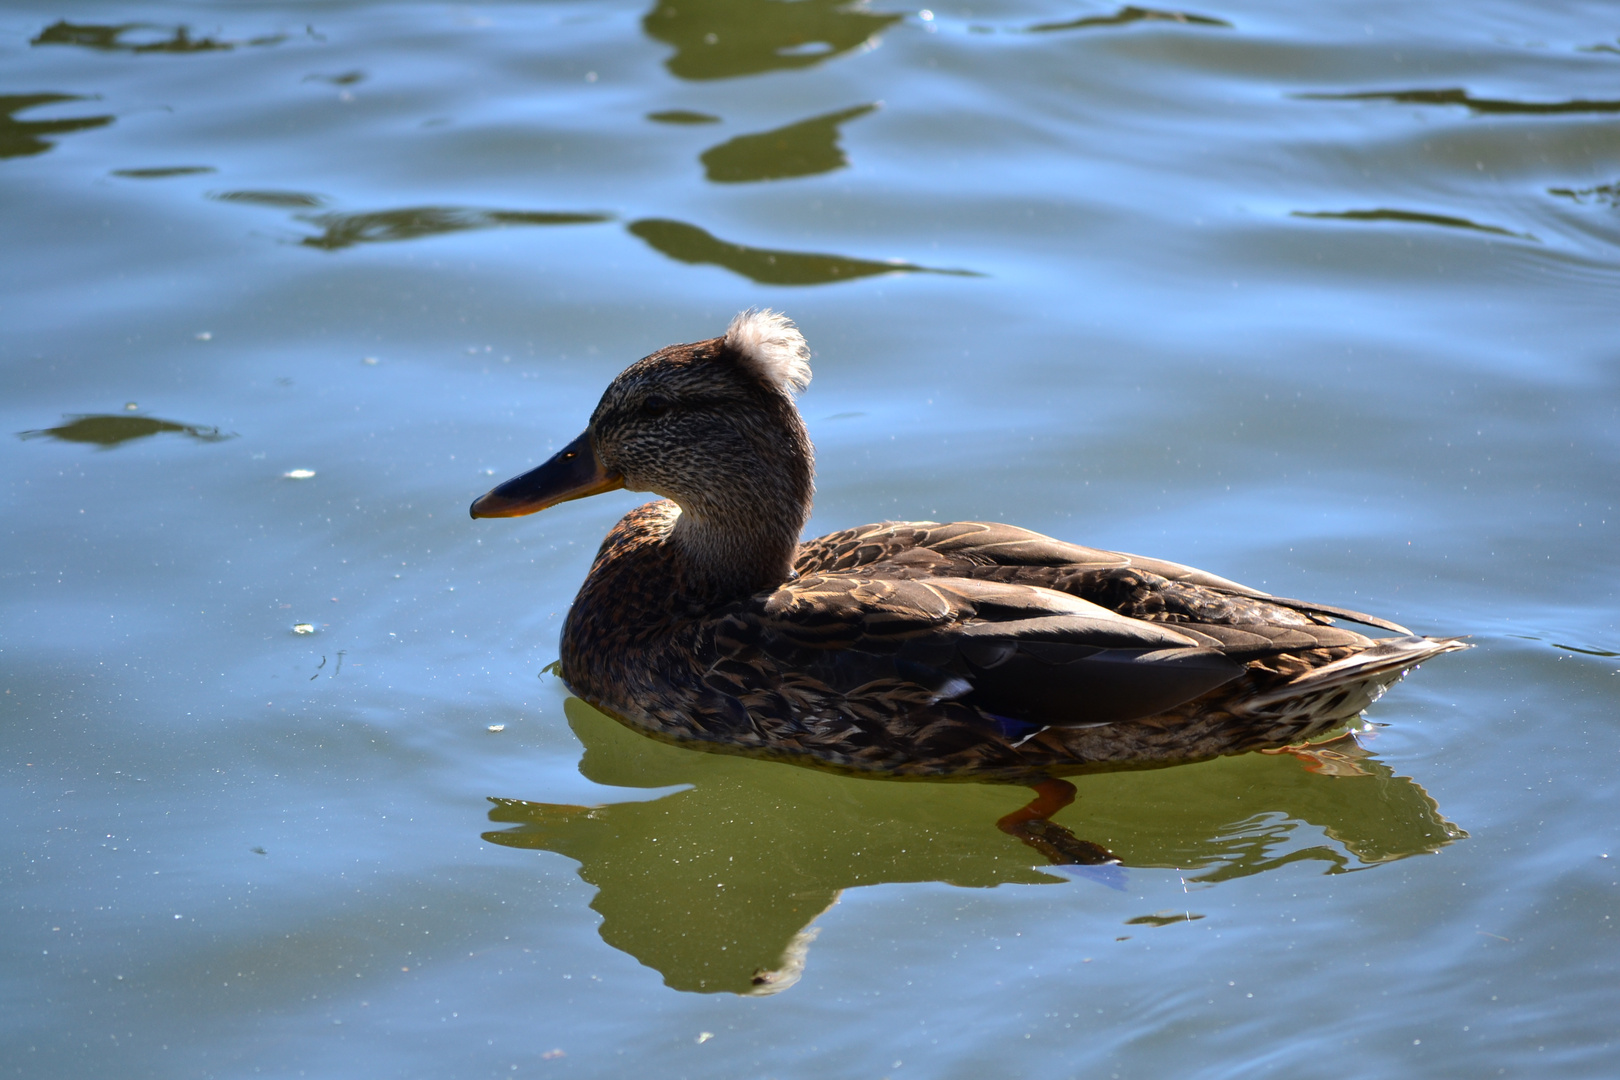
(1382, 663)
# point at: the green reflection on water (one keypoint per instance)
(269, 198)
(111, 38)
(110, 429)
(1163, 920)
(344, 78)
(1131, 14)
(22, 138)
(802, 149)
(716, 886)
(1412, 217)
(1603, 193)
(721, 39)
(163, 172)
(682, 116)
(690, 244)
(1457, 96)
(346, 230)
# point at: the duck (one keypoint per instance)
(962, 650)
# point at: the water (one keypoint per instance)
(1322, 299)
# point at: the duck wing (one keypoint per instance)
(959, 544)
(1021, 654)
(985, 549)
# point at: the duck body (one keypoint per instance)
(908, 649)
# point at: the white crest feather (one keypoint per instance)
(768, 343)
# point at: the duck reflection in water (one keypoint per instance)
(717, 886)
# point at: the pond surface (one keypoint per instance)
(1322, 298)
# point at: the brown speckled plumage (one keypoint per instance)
(905, 648)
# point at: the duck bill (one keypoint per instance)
(572, 473)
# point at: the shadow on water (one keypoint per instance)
(716, 886)
(1130, 14)
(340, 231)
(1478, 105)
(148, 38)
(108, 430)
(690, 244)
(1410, 217)
(802, 149)
(23, 138)
(722, 39)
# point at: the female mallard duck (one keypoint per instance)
(904, 648)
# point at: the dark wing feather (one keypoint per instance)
(1014, 651)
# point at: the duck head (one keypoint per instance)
(710, 426)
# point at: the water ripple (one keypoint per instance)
(1457, 96)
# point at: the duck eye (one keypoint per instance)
(655, 405)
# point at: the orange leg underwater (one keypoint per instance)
(1033, 825)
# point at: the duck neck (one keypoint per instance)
(737, 542)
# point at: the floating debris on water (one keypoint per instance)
(130, 406)
(204, 335)
(299, 474)
(497, 727)
(303, 628)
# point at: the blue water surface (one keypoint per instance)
(1321, 298)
